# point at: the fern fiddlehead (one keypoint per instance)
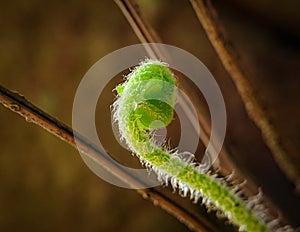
(145, 103)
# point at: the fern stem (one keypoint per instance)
(148, 96)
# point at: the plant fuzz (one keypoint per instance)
(145, 103)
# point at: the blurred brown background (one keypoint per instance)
(45, 49)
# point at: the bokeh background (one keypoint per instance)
(45, 49)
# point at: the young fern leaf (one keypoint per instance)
(145, 103)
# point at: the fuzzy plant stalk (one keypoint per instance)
(145, 103)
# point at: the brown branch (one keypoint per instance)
(210, 23)
(141, 28)
(20, 105)
(147, 34)
(193, 222)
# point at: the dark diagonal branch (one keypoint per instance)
(20, 105)
(210, 23)
(147, 34)
(141, 28)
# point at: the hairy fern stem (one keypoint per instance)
(145, 103)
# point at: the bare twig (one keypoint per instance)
(147, 34)
(141, 28)
(193, 222)
(20, 105)
(210, 23)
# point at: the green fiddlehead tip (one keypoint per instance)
(154, 85)
(145, 103)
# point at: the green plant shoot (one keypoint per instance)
(145, 102)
